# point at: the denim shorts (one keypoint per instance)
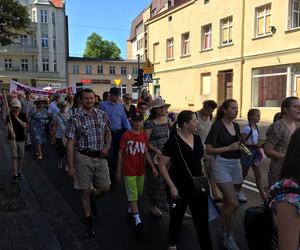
(227, 170)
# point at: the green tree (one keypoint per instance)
(97, 47)
(13, 18)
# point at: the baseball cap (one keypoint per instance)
(16, 103)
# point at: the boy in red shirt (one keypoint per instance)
(131, 158)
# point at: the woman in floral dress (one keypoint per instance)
(278, 136)
(38, 121)
(157, 129)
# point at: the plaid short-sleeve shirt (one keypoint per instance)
(88, 130)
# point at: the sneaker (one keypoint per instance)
(229, 242)
(90, 233)
(137, 229)
(241, 197)
(187, 216)
(15, 179)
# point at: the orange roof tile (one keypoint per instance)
(57, 3)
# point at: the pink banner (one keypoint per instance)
(17, 87)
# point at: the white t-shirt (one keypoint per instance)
(254, 137)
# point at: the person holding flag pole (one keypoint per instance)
(16, 122)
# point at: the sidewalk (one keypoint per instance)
(33, 214)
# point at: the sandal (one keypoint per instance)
(39, 157)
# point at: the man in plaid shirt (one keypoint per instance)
(89, 140)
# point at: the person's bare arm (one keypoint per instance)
(150, 162)
(270, 151)
(107, 139)
(70, 156)
(211, 150)
(150, 146)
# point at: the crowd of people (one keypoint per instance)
(103, 142)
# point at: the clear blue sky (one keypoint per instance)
(110, 19)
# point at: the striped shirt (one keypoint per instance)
(88, 130)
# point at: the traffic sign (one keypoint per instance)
(148, 67)
(117, 81)
(147, 78)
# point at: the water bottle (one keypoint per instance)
(246, 150)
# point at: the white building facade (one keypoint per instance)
(38, 57)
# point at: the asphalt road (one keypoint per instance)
(113, 232)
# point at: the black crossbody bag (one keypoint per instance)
(200, 184)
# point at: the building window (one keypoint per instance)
(45, 40)
(100, 69)
(206, 1)
(36, 65)
(263, 20)
(53, 17)
(294, 14)
(33, 18)
(139, 44)
(185, 44)
(123, 70)
(124, 89)
(205, 84)
(170, 3)
(75, 69)
(269, 86)
(44, 16)
(23, 40)
(156, 53)
(139, 29)
(135, 71)
(170, 48)
(226, 31)
(24, 64)
(153, 12)
(88, 69)
(7, 63)
(45, 64)
(112, 70)
(54, 66)
(54, 41)
(207, 37)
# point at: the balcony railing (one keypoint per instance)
(17, 49)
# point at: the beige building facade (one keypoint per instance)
(102, 74)
(246, 50)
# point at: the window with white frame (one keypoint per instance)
(139, 29)
(7, 63)
(23, 40)
(294, 14)
(206, 1)
(44, 16)
(135, 71)
(100, 69)
(185, 44)
(156, 53)
(269, 86)
(123, 70)
(24, 64)
(263, 20)
(112, 70)
(226, 30)
(206, 37)
(139, 44)
(45, 41)
(205, 83)
(75, 69)
(54, 66)
(170, 48)
(123, 89)
(33, 17)
(45, 64)
(88, 69)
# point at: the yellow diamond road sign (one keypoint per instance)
(117, 81)
(148, 67)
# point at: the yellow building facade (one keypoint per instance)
(246, 50)
(102, 74)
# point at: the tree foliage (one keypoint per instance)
(97, 47)
(13, 18)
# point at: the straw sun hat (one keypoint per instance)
(158, 102)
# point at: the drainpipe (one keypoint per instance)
(242, 57)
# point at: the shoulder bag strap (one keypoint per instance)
(180, 152)
(250, 133)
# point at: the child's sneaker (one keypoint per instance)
(138, 229)
(90, 233)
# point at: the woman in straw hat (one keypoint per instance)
(157, 129)
(38, 121)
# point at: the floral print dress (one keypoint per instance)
(278, 135)
(37, 126)
(156, 189)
